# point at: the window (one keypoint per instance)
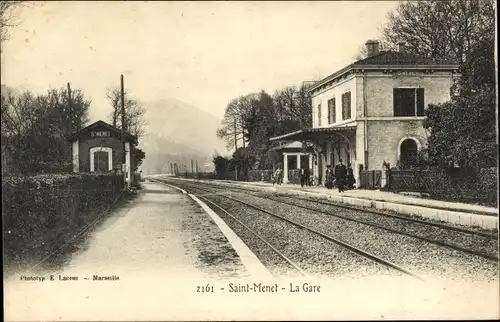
(331, 111)
(319, 114)
(346, 106)
(408, 102)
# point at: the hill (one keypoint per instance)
(177, 132)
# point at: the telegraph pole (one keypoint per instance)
(70, 112)
(123, 130)
(235, 148)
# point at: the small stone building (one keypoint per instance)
(98, 148)
(295, 156)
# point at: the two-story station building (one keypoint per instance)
(373, 110)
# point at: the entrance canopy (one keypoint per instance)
(313, 134)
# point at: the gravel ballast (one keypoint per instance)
(413, 254)
(311, 252)
(476, 243)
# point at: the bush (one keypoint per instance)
(256, 175)
(41, 212)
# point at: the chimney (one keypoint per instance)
(372, 47)
(401, 47)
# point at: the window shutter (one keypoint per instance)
(420, 102)
(348, 107)
(329, 111)
(319, 114)
(397, 99)
(334, 119)
(343, 106)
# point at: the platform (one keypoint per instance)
(453, 212)
(153, 253)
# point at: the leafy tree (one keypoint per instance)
(139, 156)
(462, 131)
(221, 164)
(242, 161)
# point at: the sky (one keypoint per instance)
(202, 53)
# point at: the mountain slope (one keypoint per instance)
(177, 132)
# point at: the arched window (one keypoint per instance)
(408, 151)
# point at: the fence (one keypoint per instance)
(370, 179)
(250, 175)
(463, 185)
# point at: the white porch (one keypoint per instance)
(329, 145)
(298, 163)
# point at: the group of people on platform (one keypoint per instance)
(341, 176)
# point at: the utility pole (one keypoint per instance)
(235, 148)
(70, 112)
(123, 130)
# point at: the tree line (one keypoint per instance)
(252, 119)
(461, 132)
(36, 127)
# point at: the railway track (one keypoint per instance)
(347, 246)
(372, 211)
(292, 201)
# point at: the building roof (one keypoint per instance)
(295, 145)
(101, 124)
(307, 133)
(390, 59)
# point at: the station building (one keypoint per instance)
(372, 111)
(98, 148)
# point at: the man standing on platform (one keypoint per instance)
(307, 174)
(302, 175)
(340, 175)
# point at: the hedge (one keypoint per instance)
(462, 185)
(40, 213)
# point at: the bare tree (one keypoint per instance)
(7, 10)
(34, 128)
(134, 112)
(441, 29)
(234, 123)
